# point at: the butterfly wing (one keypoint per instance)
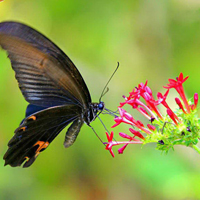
(37, 131)
(46, 76)
(52, 85)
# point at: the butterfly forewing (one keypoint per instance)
(54, 76)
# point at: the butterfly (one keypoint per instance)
(53, 87)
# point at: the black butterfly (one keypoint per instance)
(52, 85)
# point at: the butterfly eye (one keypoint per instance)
(101, 106)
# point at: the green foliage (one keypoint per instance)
(172, 135)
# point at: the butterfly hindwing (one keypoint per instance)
(33, 109)
(36, 132)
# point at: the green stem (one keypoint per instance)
(195, 147)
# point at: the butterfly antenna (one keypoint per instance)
(106, 89)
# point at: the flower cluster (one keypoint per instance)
(175, 127)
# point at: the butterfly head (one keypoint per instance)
(100, 106)
(97, 108)
(94, 110)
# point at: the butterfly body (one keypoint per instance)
(54, 88)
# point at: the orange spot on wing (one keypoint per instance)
(37, 154)
(32, 117)
(27, 158)
(22, 129)
(42, 145)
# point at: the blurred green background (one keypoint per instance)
(153, 40)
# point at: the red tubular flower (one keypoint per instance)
(178, 101)
(151, 127)
(136, 133)
(121, 150)
(196, 98)
(140, 123)
(144, 112)
(178, 86)
(122, 104)
(139, 91)
(153, 105)
(124, 135)
(172, 116)
(110, 144)
(128, 116)
(120, 120)
(148, 90)
(135, 103)
(150, 110)
(125, 117)
(162, 98)
(146, 94)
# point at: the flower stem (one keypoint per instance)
(195, 147)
